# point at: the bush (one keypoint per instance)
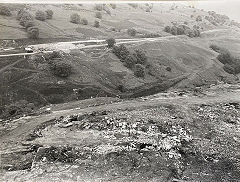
(167, 29)
(113, 6)
(96, 24)
(139, 70)
(29, 24)
(180, 30)
(75, 18)
(98, 15)
(33, 32)
(18, 109)
(49, 13)
(25, 17)
(225, 58)
(216, 48)
(147, 9)
(174, 30)
(84, 21)
(121, 52)
(41, 15)
(130, 61)
(141, 56)
(168, 69)
(111, 42)
(196, 33)
(20, 13)
(229, 68)
(5, 11)
(132, 32)
(61, 69)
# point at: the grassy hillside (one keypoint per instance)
(172, 61)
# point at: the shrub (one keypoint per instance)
(98, 7)
(113, 6)
(49, 13)
(147, 9)
(121, 52)
(25, 17)
(216, 48)
(75, 18)
(168, 69)
(139, 70)
(189, 33)
(180, 30)
(98, 15)
(20, 13)
(130, 61)
(33, 32)
(229, 68)
(141, 56)
(29, 24)
(167, 29)
(5, 11)
(61, 68)
(225, 58)
(132, 32)
(84, 21)
(186, 23)
(174, 30)
(196, 33)
(41, 15)
(96, 24)
(111, 42)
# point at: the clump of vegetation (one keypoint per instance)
(151, 35)
(98, 15)
(169, 69)
(182, 30)
(98, 7)
(96, 24)
(107, 10)
(141, 56)
(132, 32)
(49, 13)
(75, 18)
(5, 11)
(17, 109)
(84, 21)
(25, 17)
(111, 42)
(41, 15)
(113, 6)
(139, 70)
(60, 68)
(231, 64)
(130, 61)
(121, 52)
(29, 24)
(33, 32)
(148, 10)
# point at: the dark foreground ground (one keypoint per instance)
(174, 136)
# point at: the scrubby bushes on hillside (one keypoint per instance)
(75, 18)
(131, 32)
(5, 11)
(33, 32)
(17, 109)
(111, 42)
(121, 52)
(96, 24)
(141, 56)
(182, 30)
(29, 24)
(61, 68)
(24, 18)
(49, 13)
(139, 70)
(84, 21)
(199, 18)
(41, 15)
(130, 61)
(231, 64)
(98, 15)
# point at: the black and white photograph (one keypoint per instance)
(119, 91)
